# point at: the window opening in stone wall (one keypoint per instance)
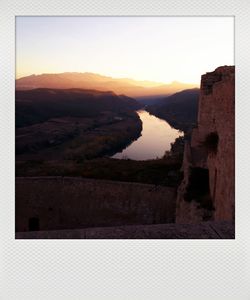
(211, 142)
(198, 188)
(34, 224)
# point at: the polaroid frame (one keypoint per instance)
(124, 269)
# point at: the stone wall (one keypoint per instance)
(211, 151)
(47, 203)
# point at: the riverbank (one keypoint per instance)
(77, 138)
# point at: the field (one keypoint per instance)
(77, 138)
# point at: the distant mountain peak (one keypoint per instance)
(89, 80)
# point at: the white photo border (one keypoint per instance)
(124, 269)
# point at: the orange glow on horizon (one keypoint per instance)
(155, 49)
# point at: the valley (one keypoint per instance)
(76, 132)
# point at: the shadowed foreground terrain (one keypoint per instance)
(205, 230)
(164, 171)
(87, 209)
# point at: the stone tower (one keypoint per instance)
(207, 191)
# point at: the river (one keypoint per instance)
(156, 138)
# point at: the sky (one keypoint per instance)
(162, 49)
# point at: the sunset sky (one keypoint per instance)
(160, 49)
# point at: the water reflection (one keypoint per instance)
(156, 137)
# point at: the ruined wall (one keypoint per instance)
(211, 150)
(47, 203)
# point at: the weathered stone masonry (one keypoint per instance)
(52, 203)
(208, 190)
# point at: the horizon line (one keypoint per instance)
(104, 75)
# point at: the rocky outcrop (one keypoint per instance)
(207, 189)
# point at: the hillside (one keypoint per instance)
(73, 124)
(130, 87)
(179, 109)
(39, 105)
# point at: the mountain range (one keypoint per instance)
(129, 87)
